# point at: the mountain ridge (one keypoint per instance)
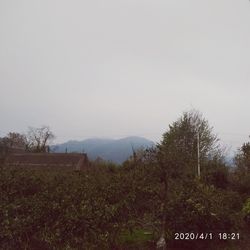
(114, 150)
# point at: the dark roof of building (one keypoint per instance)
(48, 159)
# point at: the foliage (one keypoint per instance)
(60, 210)
(215, 172)
(246, 211)
(242, 159)
(201, 208)
(246, 208)
(106, 207)
(178, 149)
(190, 206)
(241, 176)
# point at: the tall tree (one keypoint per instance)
(178, 151)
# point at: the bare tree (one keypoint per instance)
(39, 139)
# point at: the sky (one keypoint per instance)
(117, 68)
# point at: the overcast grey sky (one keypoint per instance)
(115, 68)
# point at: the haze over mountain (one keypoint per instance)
(115, 150)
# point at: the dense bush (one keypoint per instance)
(60, 209)
(196, 207)
(106, 207)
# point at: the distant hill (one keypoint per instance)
(113, 150)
